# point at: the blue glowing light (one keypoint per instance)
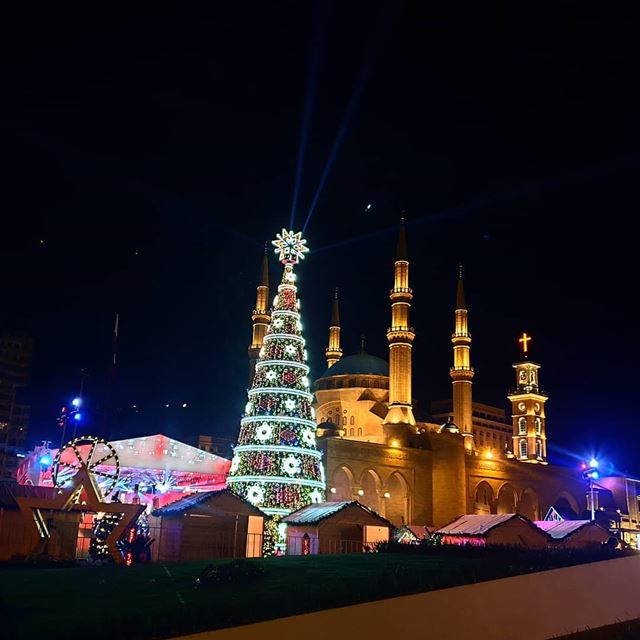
(76, 402)
(593, 463)
(595, 475)
(45, 460)
(78, 416)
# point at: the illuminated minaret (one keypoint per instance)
(462, 372)
(334, 352)
(260, 316)
(527, 410)
(400, 422)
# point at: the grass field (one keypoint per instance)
(159, 601)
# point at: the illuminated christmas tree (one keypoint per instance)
(276, 465)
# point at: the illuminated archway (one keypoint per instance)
(529, 505)
(484, 499)
(370, 486)
(506, 499)
(396, 499)
(343, 482)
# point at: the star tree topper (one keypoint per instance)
(291, 246)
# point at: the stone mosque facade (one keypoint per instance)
(469, 459)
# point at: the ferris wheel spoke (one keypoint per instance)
(102, 460)
(78, 454)
(91, 452)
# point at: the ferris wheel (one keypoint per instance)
(95, 455)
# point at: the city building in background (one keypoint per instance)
(15, 359)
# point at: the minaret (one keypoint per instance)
(400, 422)
(334, 352)
(462, 372)
(260, 316)
(527, 410)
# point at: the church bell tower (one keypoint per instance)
(400, 422)
(527, 410)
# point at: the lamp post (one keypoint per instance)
(590, 473)
(67, 414)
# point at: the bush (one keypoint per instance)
(236, 572)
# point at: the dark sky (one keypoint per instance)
(148, 154)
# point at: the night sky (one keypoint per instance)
(148, 154)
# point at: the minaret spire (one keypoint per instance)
(333, 352)
(260, 316)
(462, 372)
(400, 422)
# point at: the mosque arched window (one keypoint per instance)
(344, 421)
(523, 448)
(351, 431)
(538, 426)
(359, 431)
(539, 448)
(522, 426)
(352, 420)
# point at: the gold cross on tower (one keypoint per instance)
(525, 340)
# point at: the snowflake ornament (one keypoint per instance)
(291, 465)
(291, 246)
(271, 375)
(309, 437)
(315, 496)
(264, 432)
(277, 323)
(290, 404)
(290, 349)
(235, 463)
(255, 495)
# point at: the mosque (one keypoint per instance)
(472, 459)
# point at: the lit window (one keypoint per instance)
(353, 420)
(538, 426)
(344, 421)
(359, 431)
(523, 448)
(351, 431)
(539, 448)
(522, 426)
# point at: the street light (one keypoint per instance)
(67, 414)
(590, 473)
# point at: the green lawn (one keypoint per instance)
(158, 601)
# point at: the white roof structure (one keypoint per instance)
(559, 530)
(162, 452)
(475, 525)
(314, 513)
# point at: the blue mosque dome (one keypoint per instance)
(362, 363)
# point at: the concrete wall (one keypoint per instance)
(563, 600)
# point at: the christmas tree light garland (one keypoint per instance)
(276, 465)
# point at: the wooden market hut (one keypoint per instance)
(211, 524)
(574, 534)
(508, 529)
(335, 527)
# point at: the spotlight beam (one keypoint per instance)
(346, 119)
(309, 100)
